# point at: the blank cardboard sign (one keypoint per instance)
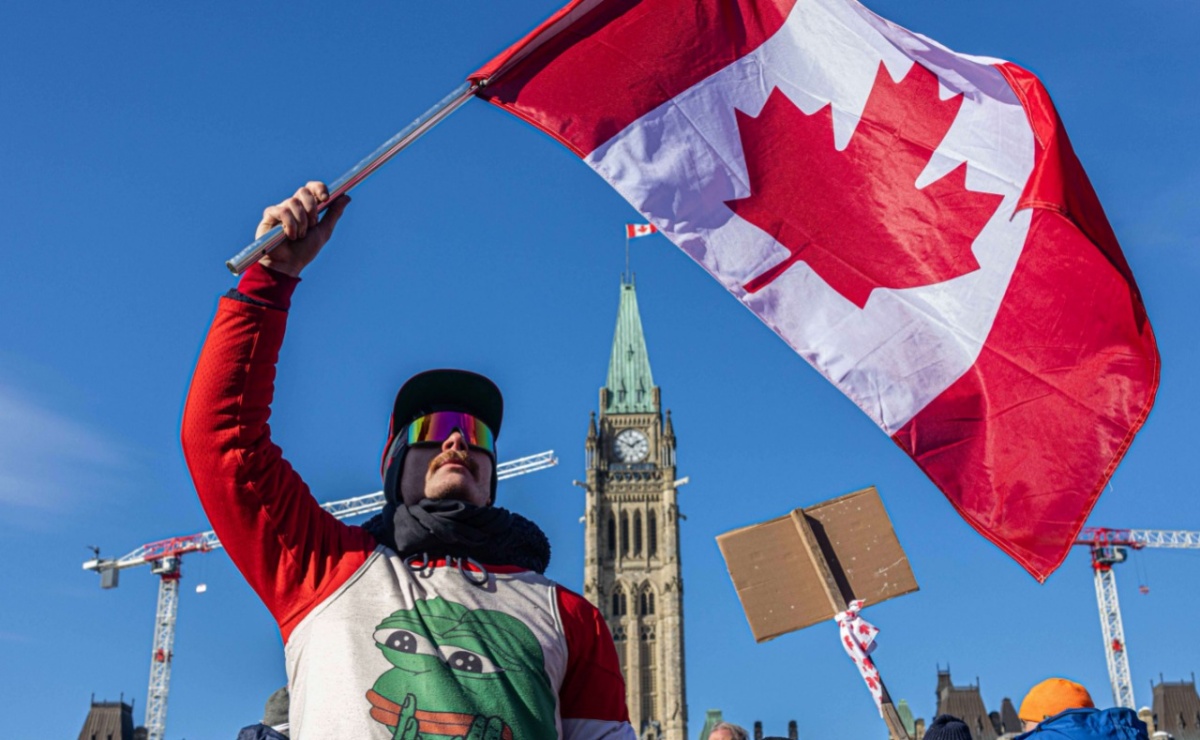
(803, 568)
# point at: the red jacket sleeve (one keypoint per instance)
(592, 688)
(292, 552)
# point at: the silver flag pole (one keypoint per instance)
(361, 171)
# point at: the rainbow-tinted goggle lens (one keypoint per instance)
(437, 427)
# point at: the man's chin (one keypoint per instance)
(450, 493)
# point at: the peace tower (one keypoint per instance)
(631, 548)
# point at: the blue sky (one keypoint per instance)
(138, 144)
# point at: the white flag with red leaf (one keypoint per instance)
(912, 221)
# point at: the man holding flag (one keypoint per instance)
(912, 221)
(432, 620)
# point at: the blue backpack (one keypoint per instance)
(1090, 724)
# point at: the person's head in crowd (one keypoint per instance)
(275, 712)
(946, 727)
(728, 731)
(1050, 697)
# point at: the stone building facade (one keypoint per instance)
(966, 703)
(631, 548)
(1176, 710)
(110, 720)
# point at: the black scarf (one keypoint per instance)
(487, 534)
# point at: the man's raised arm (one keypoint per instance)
(284, 544)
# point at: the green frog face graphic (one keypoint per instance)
(461, 674)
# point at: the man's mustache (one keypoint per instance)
(455, 456)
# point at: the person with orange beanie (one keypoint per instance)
(1050, 697)
(1058, 709)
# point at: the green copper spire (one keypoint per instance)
(906, 718)
(630, 384)
(711, 719)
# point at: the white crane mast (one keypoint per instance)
(164, 645)
(165, 558)
(1110, 547)
(1113, 633)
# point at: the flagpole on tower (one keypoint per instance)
(627, 275)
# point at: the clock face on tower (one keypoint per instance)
(631, 446)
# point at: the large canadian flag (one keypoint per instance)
(911, 220)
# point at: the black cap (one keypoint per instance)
(448, 390)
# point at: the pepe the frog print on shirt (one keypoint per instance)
(461, 674)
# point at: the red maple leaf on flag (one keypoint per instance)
(856, 216)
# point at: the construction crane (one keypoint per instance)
(165, 559)
(1110, 547)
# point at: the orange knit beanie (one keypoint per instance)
(1052, 696)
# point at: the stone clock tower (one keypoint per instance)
(631, 570)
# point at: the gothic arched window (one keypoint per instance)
(646, 601)
(648, 655)
(637, 533)
(652, 533)
(624, 533)
(612, 535)
(619, 603)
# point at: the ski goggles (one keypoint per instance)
(437, 427)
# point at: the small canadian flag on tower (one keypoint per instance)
(633, 231)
